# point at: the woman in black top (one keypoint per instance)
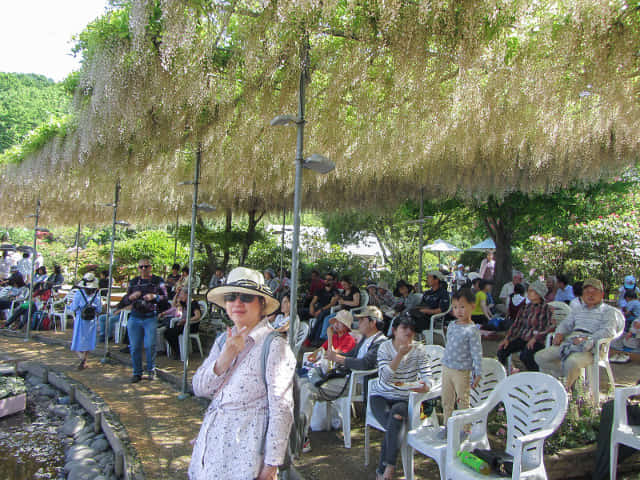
(172, 334)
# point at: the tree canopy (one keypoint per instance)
(469, 99)
(26, 101)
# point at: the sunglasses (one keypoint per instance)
(144, 266)
(244, 297)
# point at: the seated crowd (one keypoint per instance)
(525, 313)
(389, 337)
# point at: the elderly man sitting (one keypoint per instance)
(361, 357)
(435, 300)
(507, 290)
(577, 335)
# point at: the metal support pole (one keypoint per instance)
(33, 271)
(421, 240)
(175, 244)
(116, 199)
(185, 332)
(75, 271)
(282, 249)
(293, 322)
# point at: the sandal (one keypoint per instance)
(82, 365)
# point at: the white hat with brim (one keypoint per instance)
(244, 280)
(88, 281)
(344, 317)
(436, 274)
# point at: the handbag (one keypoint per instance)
(318, 378)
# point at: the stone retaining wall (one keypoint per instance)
(127, 465)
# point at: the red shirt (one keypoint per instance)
(316, 285)
(342, 344)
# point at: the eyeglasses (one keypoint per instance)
(244, 297)
(144, 266)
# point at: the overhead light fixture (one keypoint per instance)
(319, 163)
(283, 120)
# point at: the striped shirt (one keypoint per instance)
(413, 367)
(598, 322)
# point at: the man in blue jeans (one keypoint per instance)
(144, 294)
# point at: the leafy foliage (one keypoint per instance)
(474, 99)
(26, 101)
(607, 248)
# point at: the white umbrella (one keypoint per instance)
(440, 246)
(488, 244)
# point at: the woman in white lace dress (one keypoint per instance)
(245, 431)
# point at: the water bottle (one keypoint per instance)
(474, 462)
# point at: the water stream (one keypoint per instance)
(30, 447)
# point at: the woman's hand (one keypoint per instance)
(268, 472)
(232, 347)
(531, 343)
(476, 381)
(503, 344)
(404, 349)
(423, 389)
(235, 343)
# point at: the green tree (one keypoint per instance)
(513, 219)
(397, 231)
(27, 101)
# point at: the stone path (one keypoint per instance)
(159, 425)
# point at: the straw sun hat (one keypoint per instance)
(244, 280)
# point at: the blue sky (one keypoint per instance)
(36, 34)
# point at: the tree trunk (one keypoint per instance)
(226, 252)
(209, 252)
(499, 222)
(254, 219)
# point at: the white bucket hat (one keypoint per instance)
(244, 280)
(344, 317)
(89, 280)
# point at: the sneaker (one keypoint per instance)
(136, 378)
(151, 375)
(306, 446)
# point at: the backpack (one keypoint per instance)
(266, 346)
(89, 311)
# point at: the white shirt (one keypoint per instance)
(364, 348)
(5, 268)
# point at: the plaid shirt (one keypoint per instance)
(533, 320)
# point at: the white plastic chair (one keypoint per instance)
(364, 300)
(405, 449)
(121, 325)
(621, 431)
(61, 316)
(535, 404)
(435, 354)
(301, 335)
(601, 359)
(193, 336)
(437, 326)
(344, 405)
(559, 311)
(425, 439)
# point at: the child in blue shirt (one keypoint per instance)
(462, 360)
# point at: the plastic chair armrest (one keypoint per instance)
(620, 404)
(519, 444)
